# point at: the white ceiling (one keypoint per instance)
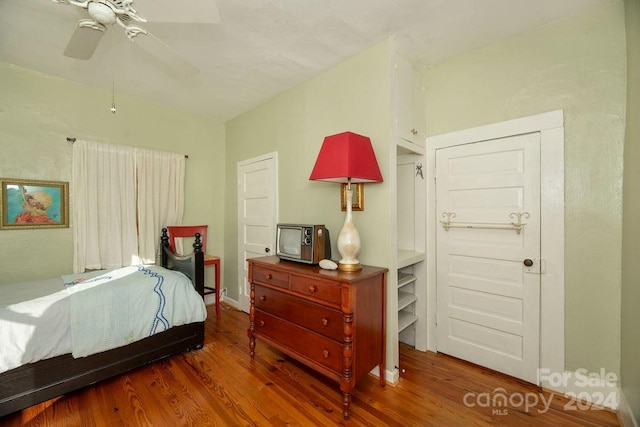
(262, 47)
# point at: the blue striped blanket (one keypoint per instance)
(117, 307)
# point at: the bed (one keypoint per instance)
(41, 380)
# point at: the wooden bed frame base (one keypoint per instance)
(37, 382)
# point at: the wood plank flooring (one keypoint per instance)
(221, 386)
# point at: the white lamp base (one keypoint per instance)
(349, 240)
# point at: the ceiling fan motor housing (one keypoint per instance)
(101, 13)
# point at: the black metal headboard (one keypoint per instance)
(191, 265)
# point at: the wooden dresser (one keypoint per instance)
(332, 321)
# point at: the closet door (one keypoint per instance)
(488, 267)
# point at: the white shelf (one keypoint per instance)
(406, 147)
(405, 299)
(405, 320)
(405, 278)
(407, 258)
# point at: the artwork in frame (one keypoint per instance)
(357, 198)
(33, 204)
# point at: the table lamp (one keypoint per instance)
(345, 158)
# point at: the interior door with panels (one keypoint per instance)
(488, 250)
(257, 215)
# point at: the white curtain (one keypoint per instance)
(122, 197)
(104, 206)
(160, 198)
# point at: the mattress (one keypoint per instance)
(34, 322)
(97, 312)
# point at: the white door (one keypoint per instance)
(488, 300)
(257, 215)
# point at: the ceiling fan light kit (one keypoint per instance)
(115, 7)
(101, 13)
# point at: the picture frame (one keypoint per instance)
(33, 204)
(357, 199)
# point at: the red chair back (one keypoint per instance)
(188, 231)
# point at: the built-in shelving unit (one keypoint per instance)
(406, 297)
(409, 153)
(406, 300)
(407, 257)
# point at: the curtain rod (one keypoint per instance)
(71, 139)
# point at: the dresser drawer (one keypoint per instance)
(301, 341)
(270, 277)
(315, 288)
(324, 320)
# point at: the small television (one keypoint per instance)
(305, 243)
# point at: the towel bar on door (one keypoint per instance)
(516, 226)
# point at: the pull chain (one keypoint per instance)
(113, 95)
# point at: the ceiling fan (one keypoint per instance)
(105, 13)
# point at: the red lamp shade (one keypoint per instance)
(346, 156)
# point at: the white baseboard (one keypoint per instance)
(584, 388)
(211, 299)
(625, 414)
(391, 377)
(233, 303)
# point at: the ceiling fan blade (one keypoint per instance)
(162, 52)
(180, 12)
(83, 43)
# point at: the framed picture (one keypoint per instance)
(357, 200)
(33, 204)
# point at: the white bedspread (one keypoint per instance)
(128, 304)
(110, 310)
(34, 322)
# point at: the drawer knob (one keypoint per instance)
(263, 298)
(325, 353)
(312, 288)
(269, 276)
(325, 321)
(261, 323)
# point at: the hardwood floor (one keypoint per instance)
(220, 385)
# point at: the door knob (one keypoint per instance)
(267, 250)
(528, 262)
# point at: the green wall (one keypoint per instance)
(352, 96)
(630, 332)
(577, 65)
(38, 112)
